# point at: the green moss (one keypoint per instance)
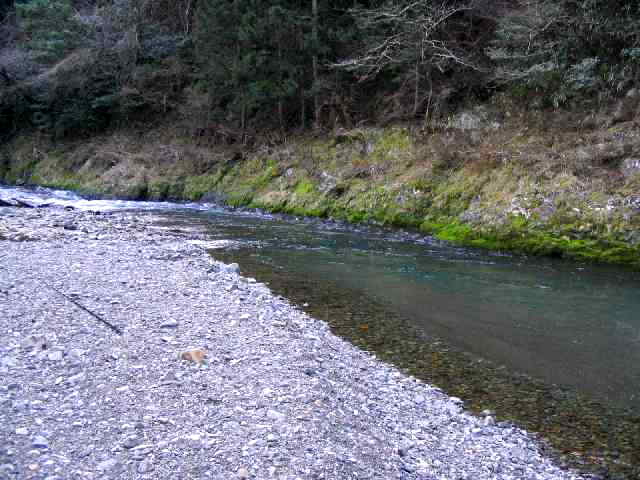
(64, 183)
(453, 195)
(393, 144)
(240, 198)
(519, 237)
(21, 172)
(305, 187)
(195, 187)
(170, 189)
(272, 171)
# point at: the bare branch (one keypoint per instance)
(415, 33)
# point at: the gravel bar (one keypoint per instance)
(128, 352)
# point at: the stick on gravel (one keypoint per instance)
(82, 307)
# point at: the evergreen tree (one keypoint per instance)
(5, 7)
(50, 27)
(568, 48)
(263, 61)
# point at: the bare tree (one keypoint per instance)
(410, 29)
(416, 39)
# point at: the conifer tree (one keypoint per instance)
(50, 27)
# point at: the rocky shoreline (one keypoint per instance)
(207, 374)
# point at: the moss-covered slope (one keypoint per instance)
(573, 194)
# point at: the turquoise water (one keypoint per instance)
(570, 324)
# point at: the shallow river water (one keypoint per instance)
(483, 325)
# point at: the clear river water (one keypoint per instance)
(566, 333)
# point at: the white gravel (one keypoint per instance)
(279, 395)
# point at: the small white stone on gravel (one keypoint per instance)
(55, 356)
(276, 416)
(169, 324)
(145, 466)
(108, 465)
(243, 474)
(230, 268)
(40, 442)
(78, 377)
(489, 421)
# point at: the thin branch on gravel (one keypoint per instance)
(82, 307)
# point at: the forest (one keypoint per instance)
(236, 69)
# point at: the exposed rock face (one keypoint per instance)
(604, 153)
(631, 167)
(476, 119)
(627, 108)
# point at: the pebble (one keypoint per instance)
(108, 465)
(276, 416)
(40, 442)
(408, 468)
(231, 268)
(131, 441)
(243, 474)
(145, 466)
(7, 468)
(78, 377)
(195, 355)
(55, 356)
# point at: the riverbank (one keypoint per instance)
(278, 395)
(541, 183)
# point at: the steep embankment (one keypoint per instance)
(550, 184)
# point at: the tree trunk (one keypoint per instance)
(303, 109)
(314, 34)
(236, 67)
(280, 80)
(416, 92)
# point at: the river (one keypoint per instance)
(566, 329)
